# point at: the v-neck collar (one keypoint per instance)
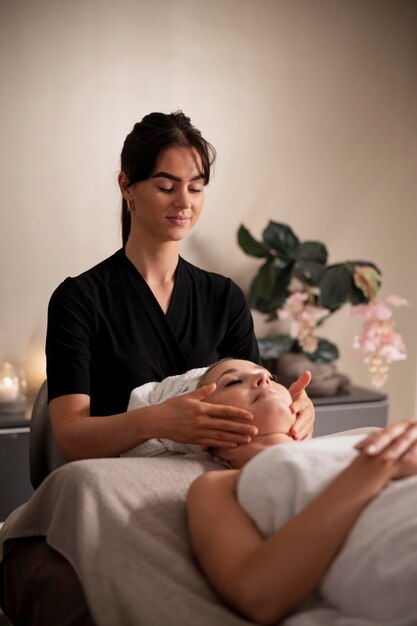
(138, 276)
(169, 321)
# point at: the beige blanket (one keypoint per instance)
(121, 523)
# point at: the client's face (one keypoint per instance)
(249, 386)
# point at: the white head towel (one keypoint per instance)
(155, 393)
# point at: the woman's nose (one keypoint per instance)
(182, 199)
(262, 379)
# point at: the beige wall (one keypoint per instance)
(312, 107)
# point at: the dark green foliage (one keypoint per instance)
(326, 352)
(285, 259)
(275, 346)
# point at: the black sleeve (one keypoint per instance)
(240, 341)
(68, 340)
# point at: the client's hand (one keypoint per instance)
(395, 443)
(303, 407)
(187, 419)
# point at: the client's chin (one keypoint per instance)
(239, 456)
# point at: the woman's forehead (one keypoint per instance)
(178, 159)
(234, 366)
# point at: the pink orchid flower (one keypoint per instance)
(378, 343)
(304, 318)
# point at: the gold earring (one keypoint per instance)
(130, 205)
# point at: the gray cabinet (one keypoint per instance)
(15, 485)
(359, 408)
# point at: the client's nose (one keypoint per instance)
(262, 379)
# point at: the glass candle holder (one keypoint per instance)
(12, 389)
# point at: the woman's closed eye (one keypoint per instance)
(234, 381)
(237, 381)
(171, 189)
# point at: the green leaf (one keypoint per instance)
(269, 288)
(250, 245)
(280, 237)
(326, 352)
(282, 280)
(357, 296)
(309, 272)
(336, 287)
(274, 347)
(311, 251)
(361, 294)
(262, 288)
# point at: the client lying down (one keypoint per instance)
(328, 515)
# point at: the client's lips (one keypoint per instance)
(265, 392)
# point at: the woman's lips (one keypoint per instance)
(178, 220)
(265, 392)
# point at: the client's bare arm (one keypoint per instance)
(266, 578)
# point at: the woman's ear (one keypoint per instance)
(124, 185)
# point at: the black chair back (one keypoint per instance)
(44, 455)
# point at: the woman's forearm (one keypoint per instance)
(184, 419)
(267, 578)
(81, 436)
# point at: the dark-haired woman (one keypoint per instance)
(145, 313)
(141, 315)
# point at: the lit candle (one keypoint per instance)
(9, 383)
(9, 388)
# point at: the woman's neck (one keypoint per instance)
(156, 263)
(157, 266)
(239, 456)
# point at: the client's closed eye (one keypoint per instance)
(233, 382)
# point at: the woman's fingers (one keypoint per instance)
(225, 428)
(215, 438)
(219, 428)
(195, 421)
(394, 442)
(217, 410)
(377, 441)
(304, 410)
(302, 407)
(301, 430)
(403, 444)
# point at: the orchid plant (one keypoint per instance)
(378, 343)
(295, 283)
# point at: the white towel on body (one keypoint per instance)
(373, 579)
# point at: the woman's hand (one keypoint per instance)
(397, 443)
(187, 419)
(303, 408)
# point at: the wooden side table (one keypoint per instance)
(361, 407)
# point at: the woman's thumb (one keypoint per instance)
(300, 384)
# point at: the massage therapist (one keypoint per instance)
(146, 313)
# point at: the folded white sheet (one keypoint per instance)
(155, 393)
(373, 580)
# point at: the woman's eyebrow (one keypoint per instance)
(233, 370)
(176, 178)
